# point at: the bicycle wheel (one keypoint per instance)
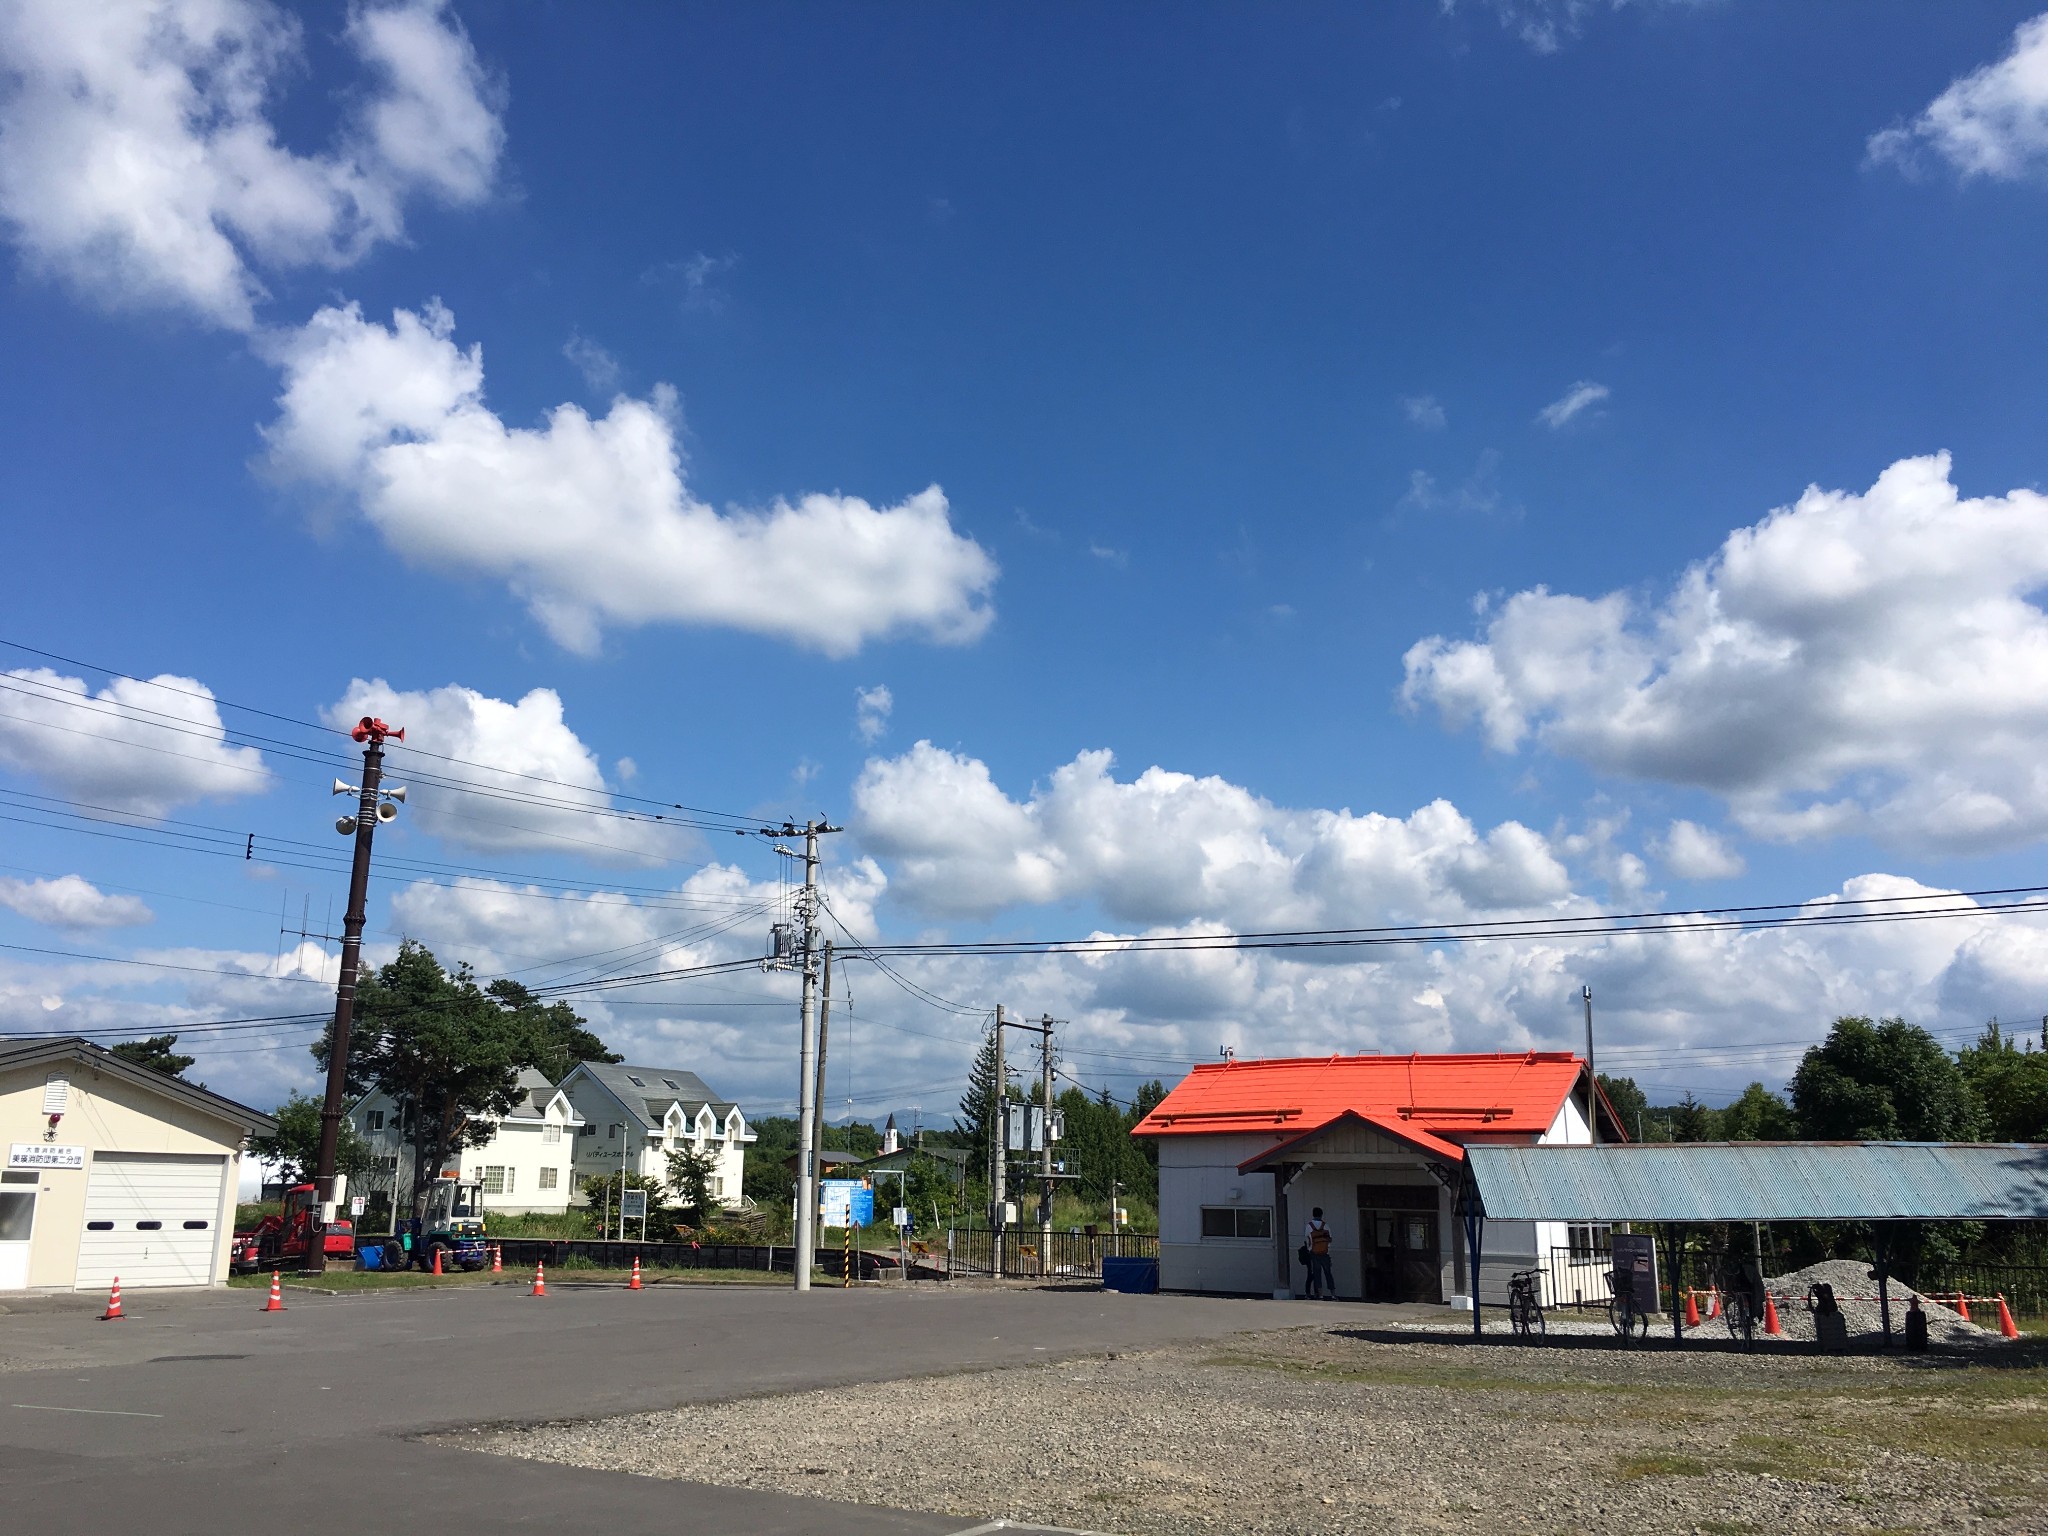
(1741, 1321)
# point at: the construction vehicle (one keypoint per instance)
(283, 1238)
(453, 1227)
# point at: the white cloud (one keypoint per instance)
(589, 520)
(1992, 122)
(69, 901)
(1169, 848)
(1425, 411)
(1545, 26)
(1572, 403)
(599, 368)
(1477, 495)
(536, 783)
(139, 163)
(1693, 852)
(871, 711)
(140, 747)
(1869, 663)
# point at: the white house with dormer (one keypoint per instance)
(633, 1117)
(525, 1160)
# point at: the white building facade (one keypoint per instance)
(633, 1117)
(525, 1160)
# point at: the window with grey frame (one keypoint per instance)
(1238, 1222)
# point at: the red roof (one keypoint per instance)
(1449, 1098)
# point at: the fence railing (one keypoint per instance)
(1019, 1253)
(1576, 1277)
(2024, 1286)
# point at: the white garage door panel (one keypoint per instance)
(151, 1218)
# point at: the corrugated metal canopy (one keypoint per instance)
(1764, 1181)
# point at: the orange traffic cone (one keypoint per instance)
(113, 1312)
(2006, 1325)
(1771, 1323)
(635, 1285)
(1962, 1306)
(1713, 1303)
(437, 1258)
(1692, 1309)
(497, 1260)
(540, 1279)
(276, 1302)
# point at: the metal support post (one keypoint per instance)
(1000, 1148)
(1592, 1077)
(807, 1055)
(1045, 1146)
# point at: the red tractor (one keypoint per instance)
(281, 1240)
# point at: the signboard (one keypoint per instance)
(633, 1205)
(846, 1202)
(900, 1217)
(357, 1204)
(41, 1154)
(1635, 1257)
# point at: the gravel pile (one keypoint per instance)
(1313, 1432)
(1856, 1294)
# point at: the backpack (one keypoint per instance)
(1319, 1238)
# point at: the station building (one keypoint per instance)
(1248, 1148)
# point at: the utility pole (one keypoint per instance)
(372, 804)
(818, 1093)
(1045, 1146)
(1592, 1077)
(1000, 1146)
(807, 1072)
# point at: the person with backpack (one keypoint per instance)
(1315, 1253)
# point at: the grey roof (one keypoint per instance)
(534, 1093)
(1765, 1181)
(34, 1053)
(657, 1088)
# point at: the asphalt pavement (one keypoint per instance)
(199, 1412)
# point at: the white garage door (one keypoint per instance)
(151, 1218)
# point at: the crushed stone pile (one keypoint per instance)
(1856, 1294)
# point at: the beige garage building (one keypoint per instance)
(113, 1170)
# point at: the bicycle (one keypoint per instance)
(1629, 1323)
(1741, 1285)
(1525, 1304)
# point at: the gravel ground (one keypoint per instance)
(1313, 1432)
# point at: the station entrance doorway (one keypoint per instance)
(1400, 1248)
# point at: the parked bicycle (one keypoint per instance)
(1628, 1321)
(1525, 1304)
(1741, 1285)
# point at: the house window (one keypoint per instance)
(1237, 1221)
(634, 1081)
(550, 1135)
(548, 1177)
(1589, 1242)
(611, 1132)
(718, 1189)
(494, 1181)
(588, 1130)
(670, 1081)
(375, 1120)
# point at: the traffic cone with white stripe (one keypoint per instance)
(2006, 1325)
(276, 1302)
(635, 1285)
(540, 1279)
(113, 1312)
(497, 1260)
(1713, 1303)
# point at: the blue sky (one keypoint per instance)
(1288, 382)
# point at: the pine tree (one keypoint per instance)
(978, 1106)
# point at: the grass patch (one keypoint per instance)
(1783, 1456)
(1660, 1464)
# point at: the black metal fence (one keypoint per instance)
(2024, 1286)
(1019, 1253)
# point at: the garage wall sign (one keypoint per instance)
(37, 1154)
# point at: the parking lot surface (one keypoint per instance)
(198, 1412)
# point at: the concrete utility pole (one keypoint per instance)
(1592, 1077)
(371, 801)
(818, 1093)
(807, 1075)
(1045, 1146)
(1001, 1144)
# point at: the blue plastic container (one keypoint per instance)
(371, 1257)
(1135, 1277)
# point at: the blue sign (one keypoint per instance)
(843, 1198)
